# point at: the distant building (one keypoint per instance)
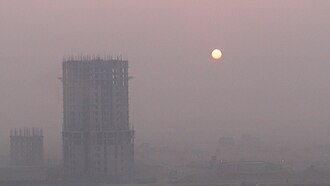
(226, 142)
(26, 147)
(250, 141)
(248, 166)
(98, 142)
(4, 159)
(226, 149)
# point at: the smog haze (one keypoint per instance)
(272, 80)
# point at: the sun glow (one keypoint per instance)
(216, 54)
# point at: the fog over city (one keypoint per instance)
(271, 84)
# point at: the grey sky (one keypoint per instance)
(273, 78)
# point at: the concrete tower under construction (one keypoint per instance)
(26, 147)
(98, 142)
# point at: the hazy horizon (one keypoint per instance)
(272, 81)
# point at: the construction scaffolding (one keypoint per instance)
(26, 147)
(98, 142)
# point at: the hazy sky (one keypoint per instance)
(273, 79)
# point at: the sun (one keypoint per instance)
(216, 54)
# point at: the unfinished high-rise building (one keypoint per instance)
(98, 142)
(26, 147)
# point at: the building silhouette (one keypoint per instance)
(98, 142)
(26, 147)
